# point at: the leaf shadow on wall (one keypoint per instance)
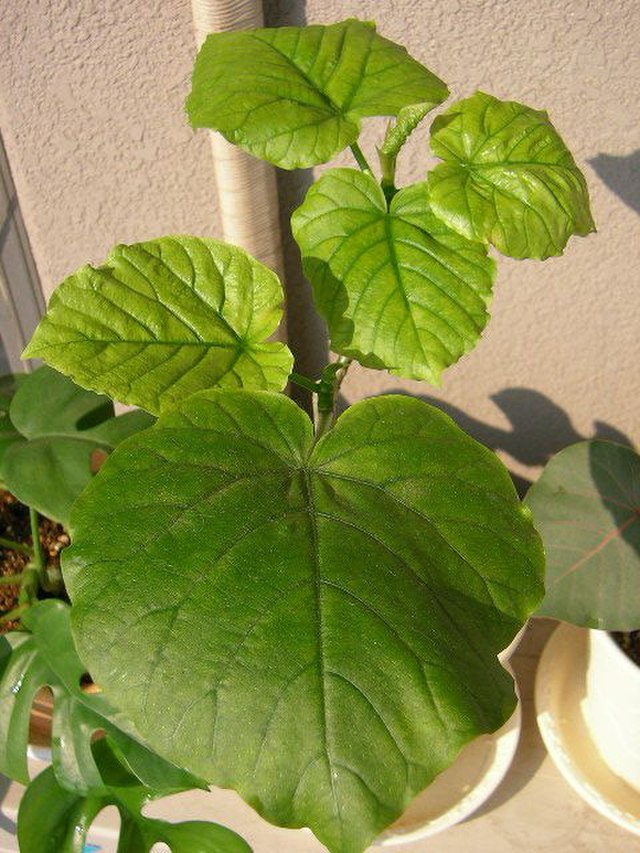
(621, 175)
(538, 429)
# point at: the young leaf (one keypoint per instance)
(60, 425)
(398, 288)
(52, 819)
(586, 506)
(316, 627)
(295, 95)
(162, 319)
(46, 656)
(508, 178)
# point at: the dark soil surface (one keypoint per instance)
(629, 643)
(14, 524)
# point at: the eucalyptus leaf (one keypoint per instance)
(45, 656)
(295, 95)
(398, 288)
(54, 820)
(315, 626)
(160, 320)
(586, 506)
(60, 426)
(508, 178)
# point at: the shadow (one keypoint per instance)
(539, 428)
(7, 222)
(622, 175)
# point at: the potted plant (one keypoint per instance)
(311, 613)
(586, 506)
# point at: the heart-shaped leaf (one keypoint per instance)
(54, 820)
(314, 626)
(508, 178)
(162, 319)
(586, 506)
(295, 95)
(398, 288)
(60, 426)
(45, 656)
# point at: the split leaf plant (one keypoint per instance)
(313, 617)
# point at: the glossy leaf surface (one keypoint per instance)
(295, 95)
(314, 626)
(45, 656)
(162, 319)
(586, 506)
(398, 288)
(54, 820)
(508, 178)
(60, 426)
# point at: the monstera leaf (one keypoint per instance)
(59, 426)
(398, 288)
(162, 319)
(315, 626)
(46, 656)
(586, 506)
(508, 178)
(54, 820)
(295, 95)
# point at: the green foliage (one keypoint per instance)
(355, 595)
(508, 178)
(295, 95)
(162, 319)
(586, 506)
(53, 428)
(9, 435)
(52, 819)
(44, 656)
(398, 288)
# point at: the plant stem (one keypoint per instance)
(361, 160)
(11, 580)
(13, 614)
(304, 382)
(330, 382)
(15, 546)
(38, 554)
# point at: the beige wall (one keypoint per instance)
(91, 113)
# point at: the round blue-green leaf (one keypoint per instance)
(398, 288)
(163, 319)
(314, 626)
(295, 95)
(586, 506)
(507, 178)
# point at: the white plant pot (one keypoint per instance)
(611, 706)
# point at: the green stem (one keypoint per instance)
(11, 580)
(38, 554)
(14, 614)
(15, 546)
(361, 160)
(304, 382)
(330, 382)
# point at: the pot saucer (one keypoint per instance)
(560, 687)
(460, 789)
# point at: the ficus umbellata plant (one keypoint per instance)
(311, 613)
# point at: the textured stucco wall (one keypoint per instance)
(91, 112)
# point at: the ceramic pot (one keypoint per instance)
(611, 706)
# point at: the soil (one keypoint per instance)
(629, 643)
(14, 524)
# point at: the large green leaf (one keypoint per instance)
(54, 820)
(295, 95)
(45, 656)
(586, 506)
(314, 626)
(60, 426)
(162, 319)
(508, 178)
(398, 288)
